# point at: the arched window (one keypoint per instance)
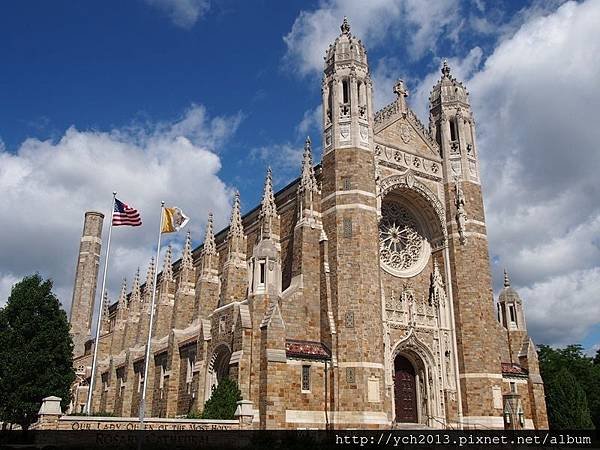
(453, 130)
(345, 91)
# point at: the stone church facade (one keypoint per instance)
(358, 296)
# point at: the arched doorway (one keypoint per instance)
(218, 368)
(405, 390)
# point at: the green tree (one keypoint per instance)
(223, 401)
(36, 351)
(567, 404)
(580, 366)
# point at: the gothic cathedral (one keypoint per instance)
(358, 296)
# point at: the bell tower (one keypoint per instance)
(477, 332)
(349, 215)
(86, 277)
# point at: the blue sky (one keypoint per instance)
(187, 100)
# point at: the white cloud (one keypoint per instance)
(311, 123)
(563, 309)
(183, 13)
(7, 280)
(285, 159)
(376, 23)
(535, 99)
(47, 186)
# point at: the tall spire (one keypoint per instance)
(150, 276)
(209, 248)
(506, 279)
(167, 274)
(308, 182)
(236, 229)
(187, 262)
(105, 313)
(135, 289)
(268, 208)
(123, 294)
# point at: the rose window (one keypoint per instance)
(402, 247)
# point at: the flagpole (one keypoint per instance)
(147, 359)
(88, 405)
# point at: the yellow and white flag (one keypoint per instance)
(173, 219)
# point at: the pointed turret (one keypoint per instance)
(308, 189)
(308, 182)
(510, 305)
(236, 228)
(167, 273)
(120, 321)
(183, 309)
(207, 288)
(142, 333)
(122, 304)
(266, 259)
(209, 248)
(166, 297)
(269, 220)
(209, 256)
(305, 249)
(133, 316)
(105, 314)
(186, 260)
(235, 283)
(512, 318)
(136, 296)
(452, 122)
(347, 94)
(149, 281)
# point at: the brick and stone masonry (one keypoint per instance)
(358, 296)
(86, 279)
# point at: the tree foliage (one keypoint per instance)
(223, 401)
(567, 404)
(572, 384)
(36, 351)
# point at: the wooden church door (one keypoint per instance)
(405, 390)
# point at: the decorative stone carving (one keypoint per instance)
(405, 133)
(400, 160)
(408, 180)
(461, 216)
(456, 168)
(328, 139)
(437, 293)
(364, 133)
(401, 242)
(345, 132)
(454, 148)
(344, 110)
(473, 168)
(362, 111)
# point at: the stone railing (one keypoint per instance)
(52, 418)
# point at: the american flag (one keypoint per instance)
(125, 215)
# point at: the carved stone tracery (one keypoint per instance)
(401, 242)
